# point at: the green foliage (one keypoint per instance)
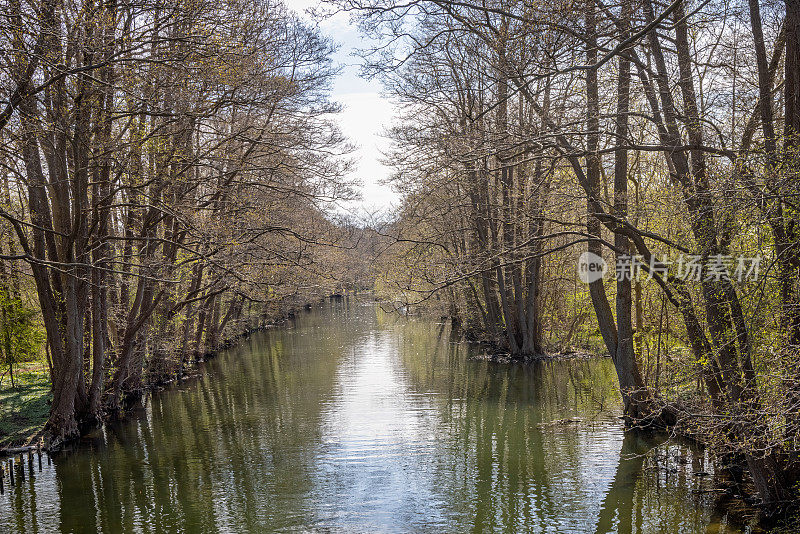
(21, 335)
(24, 408)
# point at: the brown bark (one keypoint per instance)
(631, 383)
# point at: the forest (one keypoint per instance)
(172, 176)
(166, 172)
(662, 138)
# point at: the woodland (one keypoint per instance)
(170, 174)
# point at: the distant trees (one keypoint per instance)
(643, 130)
(166, 168)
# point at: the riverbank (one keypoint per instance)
(25, 408)
(507, 358)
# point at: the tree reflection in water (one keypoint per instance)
(354, 420)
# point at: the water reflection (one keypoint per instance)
(358, 421)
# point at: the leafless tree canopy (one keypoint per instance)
(535, 131)
(166, 171)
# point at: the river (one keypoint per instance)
(354, 420)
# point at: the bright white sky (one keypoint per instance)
(366, 113)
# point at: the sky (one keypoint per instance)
(365, 115)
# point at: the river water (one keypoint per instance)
(354, 420)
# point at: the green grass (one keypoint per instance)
(24, 408)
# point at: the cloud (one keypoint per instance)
(366, 113)
(301, 5)
(364, 118)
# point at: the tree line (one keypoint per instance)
(635, 130)
(167, 170)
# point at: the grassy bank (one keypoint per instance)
(23, 408)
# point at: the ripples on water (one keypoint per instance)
(357, 421)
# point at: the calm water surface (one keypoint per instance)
(352, 420)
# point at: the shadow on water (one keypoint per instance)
(352, 420)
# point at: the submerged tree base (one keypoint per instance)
(508, 358)
(132, 400)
